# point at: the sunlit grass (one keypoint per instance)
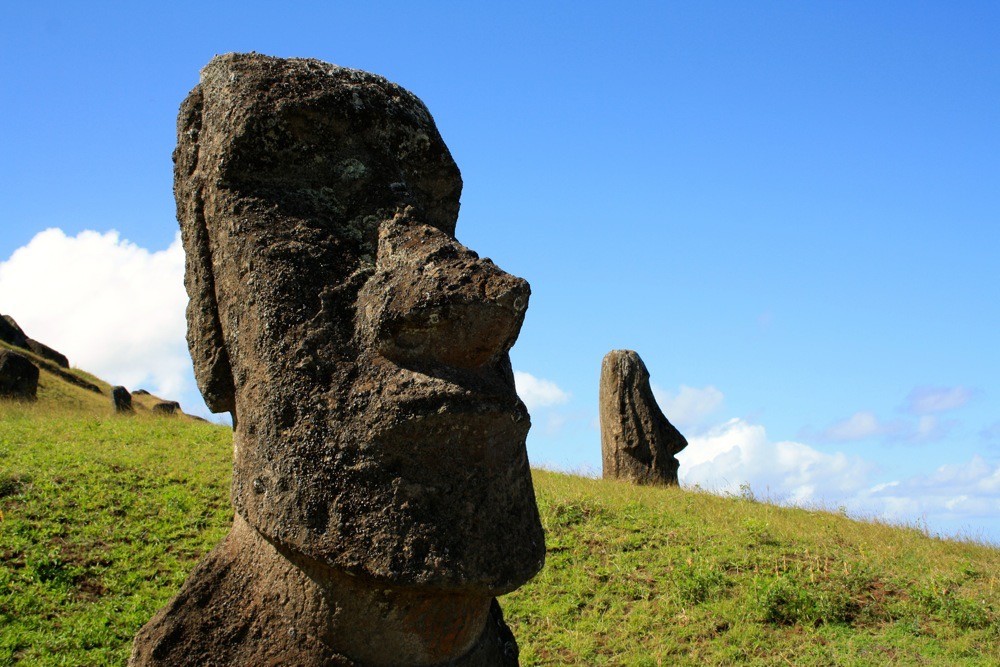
(104, 516)
(649, 576)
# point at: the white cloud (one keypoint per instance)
(950, 499)
(738, 452)
(969, 490)
(114, 308)
(858, 426)
(929, 429)
(928, 400)
(923, 403)
(864, 424)
(689, 406)
(538, 393)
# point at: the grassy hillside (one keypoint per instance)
(66, 389)
(103, 517)
(641, 576)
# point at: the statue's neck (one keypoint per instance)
(360, 618)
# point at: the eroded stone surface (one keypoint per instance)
(11, 333)
(18, 376)
(166, 408)
(46, 352)
(121, 399)
(638, 443)
(379, 442)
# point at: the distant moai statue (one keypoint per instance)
(18, 376)
(381, 486)
(638, 443)
(166, 408)
(121, 400)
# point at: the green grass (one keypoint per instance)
(650, 576)
(104, 516)
(102, 519)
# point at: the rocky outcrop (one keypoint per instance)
(67, 375)
(46, 352)
(121, 400)
(70, 377)
(11, 333)
(166, 408)
(381, 485)
(18, 376)
(638, 443)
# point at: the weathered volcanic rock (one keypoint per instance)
(11, 333)
(51, 361)
(18, 376)
(381, 484)
(166, 408)
(121, 399)
(638, 444)
(46, 352)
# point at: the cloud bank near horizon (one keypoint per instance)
(737, 457)
(114, 308)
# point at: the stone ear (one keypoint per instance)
(206, 343)
(204, 334)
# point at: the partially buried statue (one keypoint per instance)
(638, 443)
(381, 485)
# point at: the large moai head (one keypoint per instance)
(362, 351)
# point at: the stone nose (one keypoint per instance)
(433, 300)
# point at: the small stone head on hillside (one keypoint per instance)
(362, 351)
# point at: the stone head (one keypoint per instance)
(362, 351)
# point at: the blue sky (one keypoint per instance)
(790, 210)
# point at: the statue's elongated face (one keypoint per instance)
(362, 349)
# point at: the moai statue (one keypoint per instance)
(18, 376)
(381, 485)
(638, 444)
(121, 400)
